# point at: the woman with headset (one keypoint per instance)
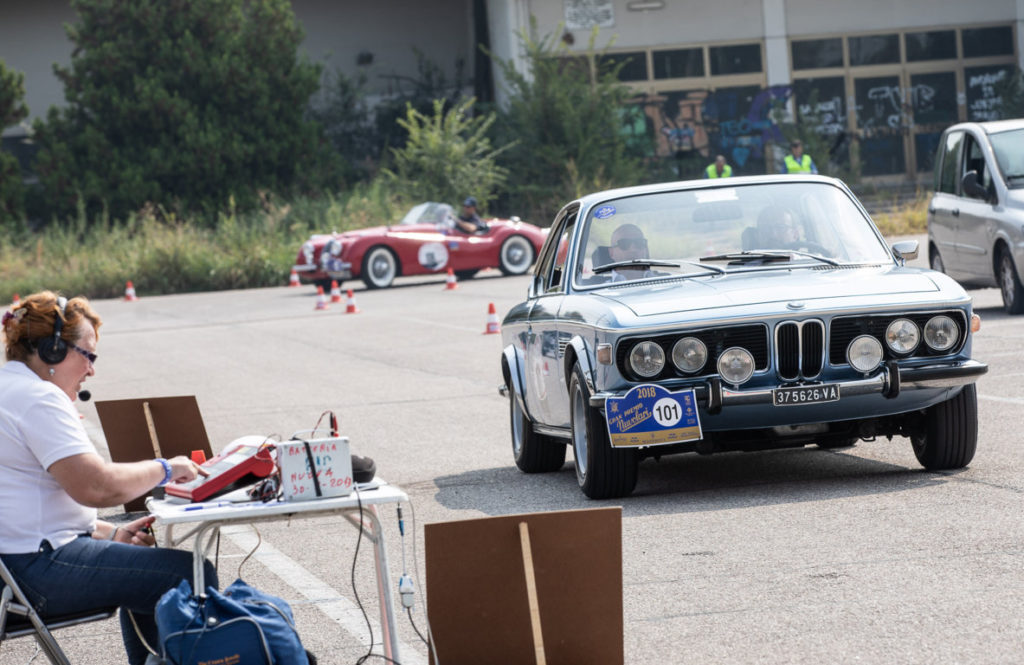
(52, 481)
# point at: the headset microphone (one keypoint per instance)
(84, 395)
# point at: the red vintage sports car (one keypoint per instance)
(426, 241)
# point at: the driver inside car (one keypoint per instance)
(777, 228)
(627, 244)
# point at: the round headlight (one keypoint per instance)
(647, 359)
(902, 336)
(864, 353)
(689, 354)
(940, 333)
(736, 365)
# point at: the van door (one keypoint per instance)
(973, 233)
(944, 210)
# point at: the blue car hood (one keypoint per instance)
(767, 286)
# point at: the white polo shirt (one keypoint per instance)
(38, 426)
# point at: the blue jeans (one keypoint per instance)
(88, 574)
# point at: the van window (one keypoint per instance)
(950, 159)
(974, 160)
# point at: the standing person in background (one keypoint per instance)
(718, 169)
(797, 162)
(52, 481)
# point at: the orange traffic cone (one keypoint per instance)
(492, 321)
(450, 283)
(293, 279)
(15, 302)
(350, 304)
(129, 291)
(335, 291)
(321, 299)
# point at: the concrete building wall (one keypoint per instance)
(32, 39)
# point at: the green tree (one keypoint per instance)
(180, 104)
(447, 156)
(12, 111)
(568, 125)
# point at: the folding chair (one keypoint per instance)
(18, 619)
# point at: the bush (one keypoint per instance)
(447, 157)
(568, 129)
(12, 111)
(181, 104)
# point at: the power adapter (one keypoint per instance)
(406, 590)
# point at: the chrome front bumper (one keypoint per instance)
(888, 382)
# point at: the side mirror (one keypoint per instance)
(905, 250)
(970, 186)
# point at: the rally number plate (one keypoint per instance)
(805, 395)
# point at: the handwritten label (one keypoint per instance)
(328, 459)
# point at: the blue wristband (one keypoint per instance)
(167, 471)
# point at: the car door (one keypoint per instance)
(944, 209)
(973, 237)
(546, 397)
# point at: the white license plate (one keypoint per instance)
(805, 395)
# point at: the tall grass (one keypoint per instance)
(161, 254)
(905, 219)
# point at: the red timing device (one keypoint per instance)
(241, 463)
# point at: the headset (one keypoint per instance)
(53, 350)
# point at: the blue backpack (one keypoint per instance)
(240, 625)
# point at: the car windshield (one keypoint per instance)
(429, 213)
(716, 229)
(1009, 150)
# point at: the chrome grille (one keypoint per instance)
(799, 349)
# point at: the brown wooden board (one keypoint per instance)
(477, 600)
(177, 421)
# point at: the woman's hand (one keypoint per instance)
(137, 532)
(184, 469)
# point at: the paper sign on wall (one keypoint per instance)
(328, 458)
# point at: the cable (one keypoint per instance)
(408, 611)
(416, 565)
(369, 653)
(259, 541)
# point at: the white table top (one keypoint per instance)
(168, 512)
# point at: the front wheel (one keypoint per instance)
(380, 267)
(935, 261)
(532, 452)
(950, 433)
(1009, 284)
(516, 255)
(602, 472)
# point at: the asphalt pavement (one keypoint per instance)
(794, 556)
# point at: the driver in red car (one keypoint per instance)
(469, 221)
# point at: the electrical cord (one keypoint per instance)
(369, 653)
(416, 566)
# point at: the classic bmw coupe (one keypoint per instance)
(732, 315)
(425, 241)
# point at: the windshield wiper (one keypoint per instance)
(749, 257)
(768, 256)
(635, 263)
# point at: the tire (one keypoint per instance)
(935, 261)
(516, 255)
(533, 453)
(380, 267)
(465, 274)
(602, 472)
(1009, 284)
(950, 435)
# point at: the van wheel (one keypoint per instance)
(1009, 284)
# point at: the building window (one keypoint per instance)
(874, 50)
(981, 42)
(678, 63)
(935, 45)
(933, 98)
(983, 87)
(738, 59)
(817, 53)
(633, 65)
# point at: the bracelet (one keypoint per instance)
(167, 471)
(113, 534)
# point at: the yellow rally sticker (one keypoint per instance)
(650, 415)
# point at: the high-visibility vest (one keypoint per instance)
(713, 172)
(803, 166)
